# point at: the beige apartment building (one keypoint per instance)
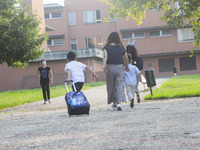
(80, 26)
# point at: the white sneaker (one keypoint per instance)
(119, 108)
(114, 107)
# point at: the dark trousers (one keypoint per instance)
(45, 88)
(78, 86)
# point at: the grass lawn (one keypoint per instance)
(177, 87)
(18, 97)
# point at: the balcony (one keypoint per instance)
(82, 53)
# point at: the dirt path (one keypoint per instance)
(96, 96)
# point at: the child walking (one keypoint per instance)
(138, 62)
(131, 81)
(75, 72)
(45, 73)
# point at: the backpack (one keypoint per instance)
(139, 63)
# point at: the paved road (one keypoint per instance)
(159, 125)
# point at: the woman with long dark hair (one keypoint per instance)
(114, 60)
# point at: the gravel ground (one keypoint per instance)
(166, 124)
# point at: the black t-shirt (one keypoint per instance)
(44, 73)
(115, 54)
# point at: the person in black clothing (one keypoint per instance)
(138, 62)
(45, 77)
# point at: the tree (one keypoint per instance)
(20, 37)
(173, 16)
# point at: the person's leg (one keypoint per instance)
(129, 92)
(137, 90)
(132, 90)
(78, 86)
(110, 78)
(43, 90)
(119, 86)
(47, 90)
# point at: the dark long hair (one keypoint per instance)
(133, 51)
(114, 38)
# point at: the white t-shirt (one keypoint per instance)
(130, 77)
(76, 68)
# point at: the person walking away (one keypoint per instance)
(138, 62)
(45, 77)
(75, 71)
(114, 60)
(131, 81)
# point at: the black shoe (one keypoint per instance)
(132, 103)
(138, 98)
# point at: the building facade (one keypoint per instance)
(80, 26)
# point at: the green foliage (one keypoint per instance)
(136, 9)
(18, 97)
(20, 37)
(177, 87)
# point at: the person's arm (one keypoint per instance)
(105, 57)
(38, 76)
(68, 75)
(90, 70)
(140, 77)
(51, 76)
(126, 62)
(138, 72)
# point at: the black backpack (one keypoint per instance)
(139, 63)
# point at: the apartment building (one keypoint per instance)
(80, 26)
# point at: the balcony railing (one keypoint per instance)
(82, 53)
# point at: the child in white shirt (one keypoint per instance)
(131, 81)
(75, 72)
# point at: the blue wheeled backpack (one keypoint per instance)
(77, 103)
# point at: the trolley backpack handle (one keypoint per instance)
(72, 85)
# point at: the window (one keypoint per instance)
(52, 42)
(92, 16)
(135, 35)
(94, 42)
(154, 33)
(166, 65)
(158, 33)
(167, 32)
(127, 35)
(52, 15)
(113, 19)
(56, 15)
(47, 16)
(138, 35)
(73, 43)
(71, 18)
(187, 63)
(185, 34)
